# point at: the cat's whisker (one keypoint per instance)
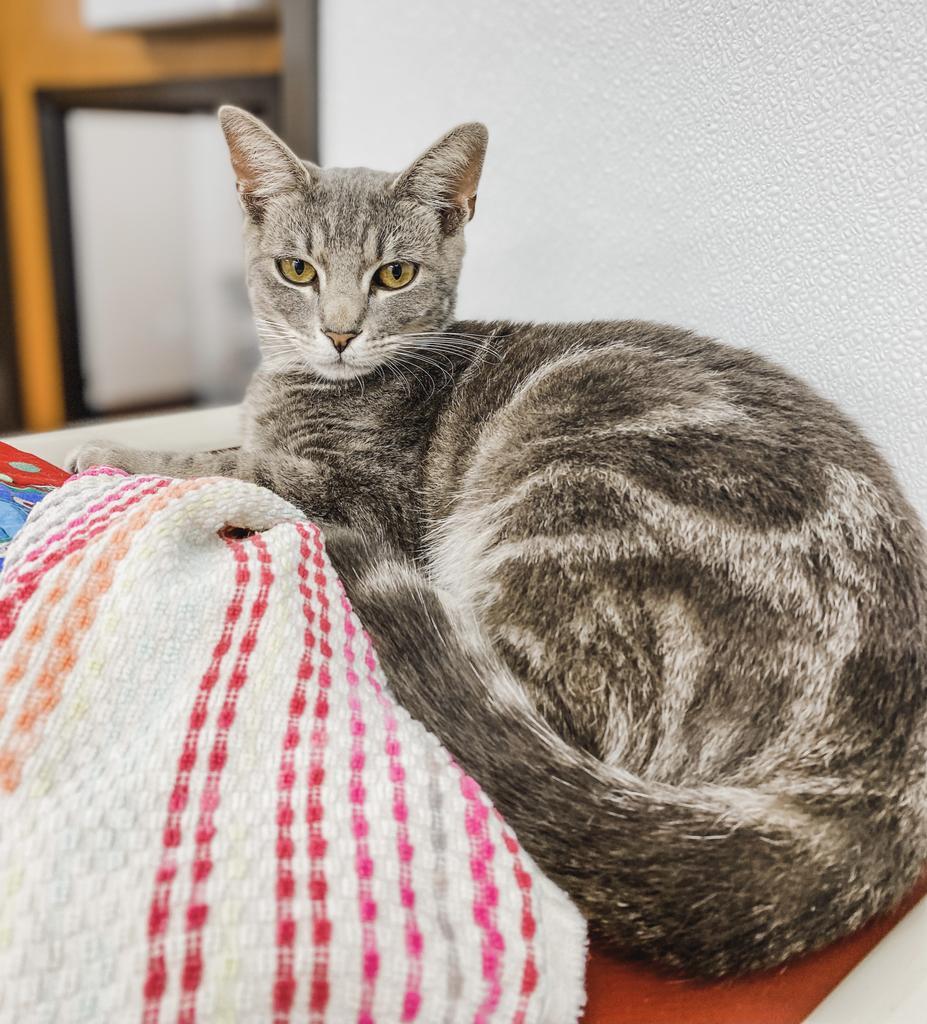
(263, 321)
(413, 369)
(432, 343)
(436, 337)
(406, 386)
(280, 348)
(448, 377)
(457, 349)
(276, 341)
(279, 340)
(400, 362)
(476, 340)
(459, 346)
(284, 361)
(275, 333)
(278, 344)
(454, 334)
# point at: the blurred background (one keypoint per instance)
(755, 171)
(121, 275)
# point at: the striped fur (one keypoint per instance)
(666, 603)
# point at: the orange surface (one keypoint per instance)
(43, 44)
(621, 993)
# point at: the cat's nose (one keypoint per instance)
(340, 340)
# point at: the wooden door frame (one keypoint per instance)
(10, 403)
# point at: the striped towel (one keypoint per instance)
(210, 807)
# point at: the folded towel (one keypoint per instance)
(210, 807)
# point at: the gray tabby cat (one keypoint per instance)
(664, 602)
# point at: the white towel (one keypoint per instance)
(210, 807)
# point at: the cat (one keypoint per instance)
(664, 602)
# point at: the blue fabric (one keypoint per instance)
(15, 505)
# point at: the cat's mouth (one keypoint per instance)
(345, 365)
(285, 349)
(340, 369)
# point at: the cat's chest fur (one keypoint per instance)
(373, 442)
(301, 415)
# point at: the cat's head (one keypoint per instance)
(350, 268)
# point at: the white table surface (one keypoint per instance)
(194, 430)
(889, 986)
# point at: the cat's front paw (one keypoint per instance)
(101, 453)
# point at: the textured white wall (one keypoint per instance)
(754, 170)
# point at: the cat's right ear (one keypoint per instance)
(263, 163)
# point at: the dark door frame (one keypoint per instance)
(299, 30)
(10, 409)
(260, 95)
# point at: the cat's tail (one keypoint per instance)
(710, 880)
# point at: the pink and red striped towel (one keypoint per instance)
(210, 807)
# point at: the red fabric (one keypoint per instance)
(44, 474)
(622, 993)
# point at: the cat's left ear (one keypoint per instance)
(264, 165)
(446, 175)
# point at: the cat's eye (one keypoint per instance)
(395, 275)
(296, 271)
